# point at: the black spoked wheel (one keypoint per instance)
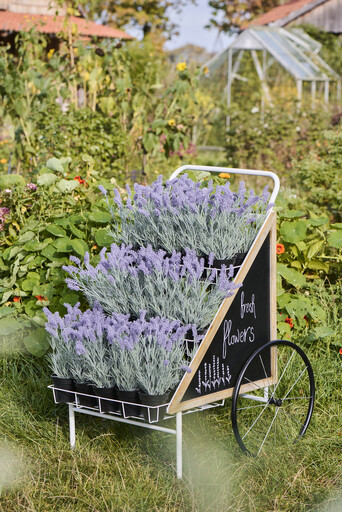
(273, 397)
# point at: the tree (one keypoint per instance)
(231, 15)
(147, 15)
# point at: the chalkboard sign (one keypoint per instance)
(245, 327)
(243, 323)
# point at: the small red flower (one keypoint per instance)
(16, 299)
(340, 351)
(289, 321)
(40, 297)
(79, 179)
(280, 249)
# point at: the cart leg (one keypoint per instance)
(179, 443)
(72, 426)
(266, 392)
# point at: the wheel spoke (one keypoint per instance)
(297, 398)
(251, 407)
(263, 367)
(268, 431)
(291, 416)
(250, 428)
(253, 383)
(295, 382)
(282, 375)
(285, 429)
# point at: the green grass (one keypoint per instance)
(122, 468)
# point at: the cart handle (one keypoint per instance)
(208, 168)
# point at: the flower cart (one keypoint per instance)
(270, 381)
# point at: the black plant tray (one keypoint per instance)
(145, 413)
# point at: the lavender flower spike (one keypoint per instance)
(103, 190)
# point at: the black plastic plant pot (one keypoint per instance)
(87, 389)
(130, 401)
(68, 387)
(239, 258)
(218, 263)
(157, 405)
(189, 334)
(107, 405)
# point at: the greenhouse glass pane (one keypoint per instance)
(275, 46)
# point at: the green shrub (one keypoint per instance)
(61, 214)
(319, 174)
(273, 140)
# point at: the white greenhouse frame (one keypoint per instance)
(293, 49)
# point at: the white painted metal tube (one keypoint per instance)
(256, 398)
(179, 444)
(72, 430)
(123, 420)
(231, 170)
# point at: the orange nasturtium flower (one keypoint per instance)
(40, 297)
(289, 321)
(224, 175)
(181, 66)
(171, 122)
(16, 299)
(3, 161)
(280, 249)
(340, 351)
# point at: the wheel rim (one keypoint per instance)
(282, 417)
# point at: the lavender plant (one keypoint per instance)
(183, 214)
(172, 287)
(79, 347)
(148, 355)
(115, 351)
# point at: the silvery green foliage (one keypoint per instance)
(63, 347)
(173, 287)
(149, 355)
(162, 369)
(102, 350)
(78, 342)
(183, 214)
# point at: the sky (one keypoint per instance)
(191, 24)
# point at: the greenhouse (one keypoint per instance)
(293, 49)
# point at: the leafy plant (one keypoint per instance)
(319, 174)
(47, 221)
(309, 251)
(99, 100)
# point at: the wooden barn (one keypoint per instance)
(324, 14)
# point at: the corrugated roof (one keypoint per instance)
(292, 9)
(17, 22)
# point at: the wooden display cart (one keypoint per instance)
(271, 381)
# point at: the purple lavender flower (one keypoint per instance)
(80, 348)
(103, 190)
(72, 285)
